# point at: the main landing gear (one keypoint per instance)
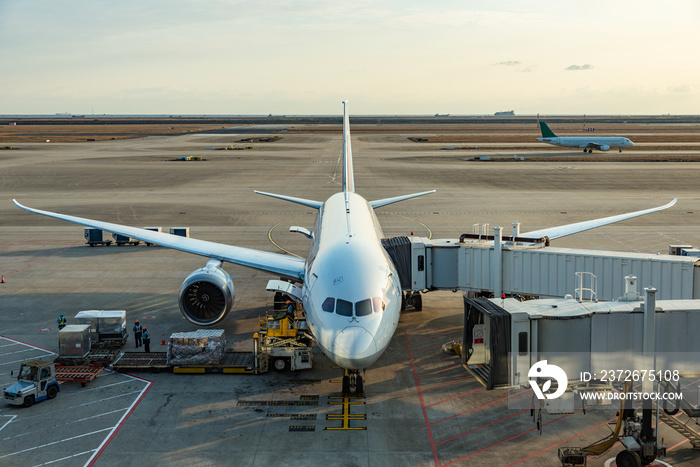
(353, 384)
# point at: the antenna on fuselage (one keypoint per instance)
(348, 177)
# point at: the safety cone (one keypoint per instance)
(3, 280)
(163, 341)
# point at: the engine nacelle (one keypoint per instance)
(604, 147)
(207, 295)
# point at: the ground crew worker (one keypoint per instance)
(137, 333)
(290, 310)
(61, 321)
(146, 340)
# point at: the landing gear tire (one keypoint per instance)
(359, 386)
(280, 364)
(628, 459)
(51, 392)
(28, 401)
(346, 386)
(403, 301)
(417, 301)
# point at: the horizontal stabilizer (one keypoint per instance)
(396, 199)
(305, 202)
(562, 231)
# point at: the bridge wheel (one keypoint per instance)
(628, 459)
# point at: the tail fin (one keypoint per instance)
(546, 132)
(348, 176)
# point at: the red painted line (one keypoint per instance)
(441, 357)
(102, 447)
(676, 445)
(509, 439)
(448, 383)
(29, 345)
(483, 426)
(432, 336)
(470, 410)
(19, 242)
(432, 347)
(42, 260)
(455, 397)
(440, 371)
(422, 404)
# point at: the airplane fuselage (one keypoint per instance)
(602, 143)
(351, 293)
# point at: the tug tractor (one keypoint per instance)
(36, 381)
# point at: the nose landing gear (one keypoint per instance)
(353, 384)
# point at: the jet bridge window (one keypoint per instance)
(363, 308)
(343, 307)
(328, 305)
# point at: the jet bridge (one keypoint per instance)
(493, 265)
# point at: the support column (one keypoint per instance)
(497, 265)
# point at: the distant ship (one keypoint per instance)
(442, 115)
(505, 113)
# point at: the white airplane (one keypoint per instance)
(351, 291)
(588, 143)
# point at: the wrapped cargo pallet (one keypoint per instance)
(74, 341)
(104, 324)
(201, 347)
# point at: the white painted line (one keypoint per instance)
(25, 359)
(17, 351)
(28, 345)
(12, 417)
(122, 420)
(65, 458)
(99, 415)
(54, 442)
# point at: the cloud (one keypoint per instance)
(682, 88)
(509, 63)
(580, 67)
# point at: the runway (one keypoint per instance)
(422, 408)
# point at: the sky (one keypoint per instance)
(303, 57)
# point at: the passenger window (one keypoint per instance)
(328, 304)
(363, 308)
(344, 308)
(378, 305)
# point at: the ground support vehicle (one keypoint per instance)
(280, 343)
(40, 379)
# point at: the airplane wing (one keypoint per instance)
(564, 230)
(383, 202)
(284, 265)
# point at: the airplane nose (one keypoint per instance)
(355, 343)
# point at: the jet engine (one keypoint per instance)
(207, 295)
(604, 147)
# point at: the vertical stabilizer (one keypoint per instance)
(546, 132)
(348, 176)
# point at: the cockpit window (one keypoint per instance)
(363, 308)
(343, 307)
(378, 305)
(328, 304)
